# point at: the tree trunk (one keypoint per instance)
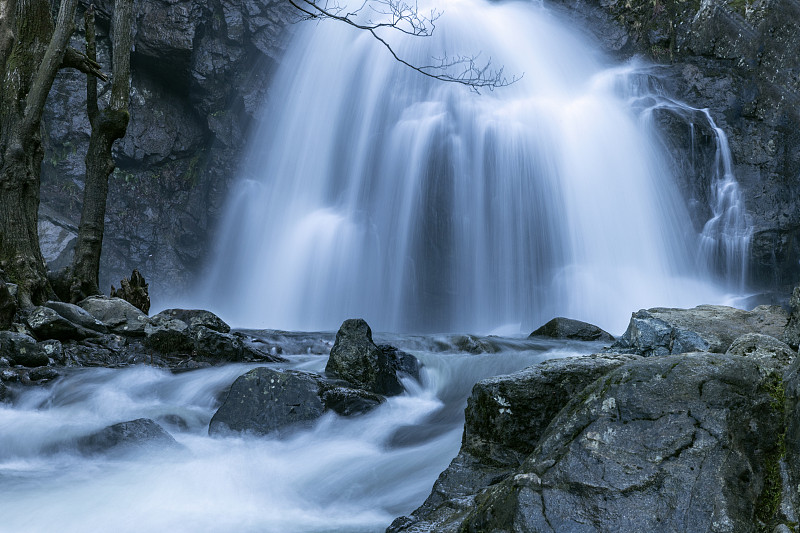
(32, 55)
(108, 125)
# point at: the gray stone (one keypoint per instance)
(211, 343)
(126, 436)
(46, 323)
(356, 359)
(567, 328)
(506, 417)
(77, 315)
(118, 315)
(766, 349)
(677, 443)
(22, 349)
(196, 317)
(346, 401)
(168, 335)
(663, 331)
(264, 401)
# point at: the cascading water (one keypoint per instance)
(372, 191)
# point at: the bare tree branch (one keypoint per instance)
(78, 60)
(405, 18)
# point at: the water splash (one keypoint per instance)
(371, 191)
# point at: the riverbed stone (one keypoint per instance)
(356, 359)
(663, 331)
(118, 315)
(264, 401)
(22, 349)
(568, 328)
(196, 317)
(77, 315)
(125, 436)
(46, 323)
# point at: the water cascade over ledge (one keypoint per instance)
(372, 191)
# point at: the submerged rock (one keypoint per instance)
(712, 328)
(356, 359)
(125, 436)
(567, 328)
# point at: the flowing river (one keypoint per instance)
(343, 475)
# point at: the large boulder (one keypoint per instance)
(505, 419)
(684, 443)
(23, 350)
(77, 315)
(568, 328)
(125, 436)
(198, 333)
(712, 328)
(46, 323)
(118, 315)
(265, 401)
(356, 359)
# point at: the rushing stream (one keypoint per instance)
(343, 475)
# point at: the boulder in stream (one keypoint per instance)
(356, 359)
(265, 400)
(118, 315)
(125, 436)
(568, 328)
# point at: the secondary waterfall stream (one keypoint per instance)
(419, 205)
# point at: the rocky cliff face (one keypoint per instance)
(738, 59)
(199, 72)
(201, 69)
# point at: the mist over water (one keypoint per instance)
(419, 205)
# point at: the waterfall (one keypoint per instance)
(372, 191)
